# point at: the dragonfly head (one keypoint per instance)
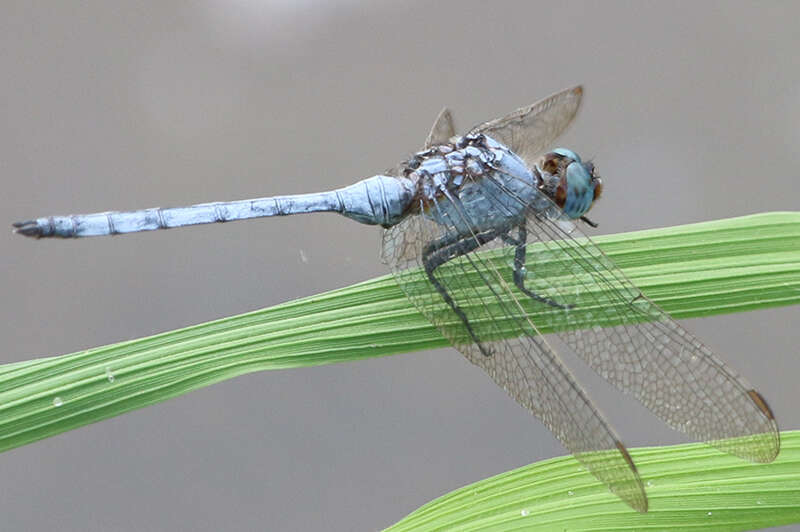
(571, 183)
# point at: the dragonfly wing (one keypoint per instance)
(531, 130)
(440, 133)
(636, 346)
(521, 360)
(442, 129)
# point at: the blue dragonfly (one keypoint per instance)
(481, 233)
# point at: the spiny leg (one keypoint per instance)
(519, 267)
(446, 249)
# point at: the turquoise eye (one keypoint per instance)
(580, 190)
(569, 154)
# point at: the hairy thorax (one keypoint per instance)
(473, 183)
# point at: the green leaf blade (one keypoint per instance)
(694, 270)
(690, 487)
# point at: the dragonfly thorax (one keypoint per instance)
(471, 183)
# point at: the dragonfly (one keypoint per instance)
(482, 232)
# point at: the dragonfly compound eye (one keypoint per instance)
(580, 188)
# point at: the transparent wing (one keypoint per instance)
(520, 360)
(531, 130)
(440, 133)
(633, 344)
(442, 129)
(528, 131)
(646, 353)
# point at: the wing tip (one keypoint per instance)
(577, 93)
(636, 498)
(761, 403)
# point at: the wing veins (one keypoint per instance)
(633, 327)
(548, 353)
(560, 237)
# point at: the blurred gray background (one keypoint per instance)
(691, 113)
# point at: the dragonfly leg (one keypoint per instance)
(519, 267)
(446, 249)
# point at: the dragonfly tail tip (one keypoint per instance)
(27, 228)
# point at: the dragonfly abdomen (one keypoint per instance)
(376, 200)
